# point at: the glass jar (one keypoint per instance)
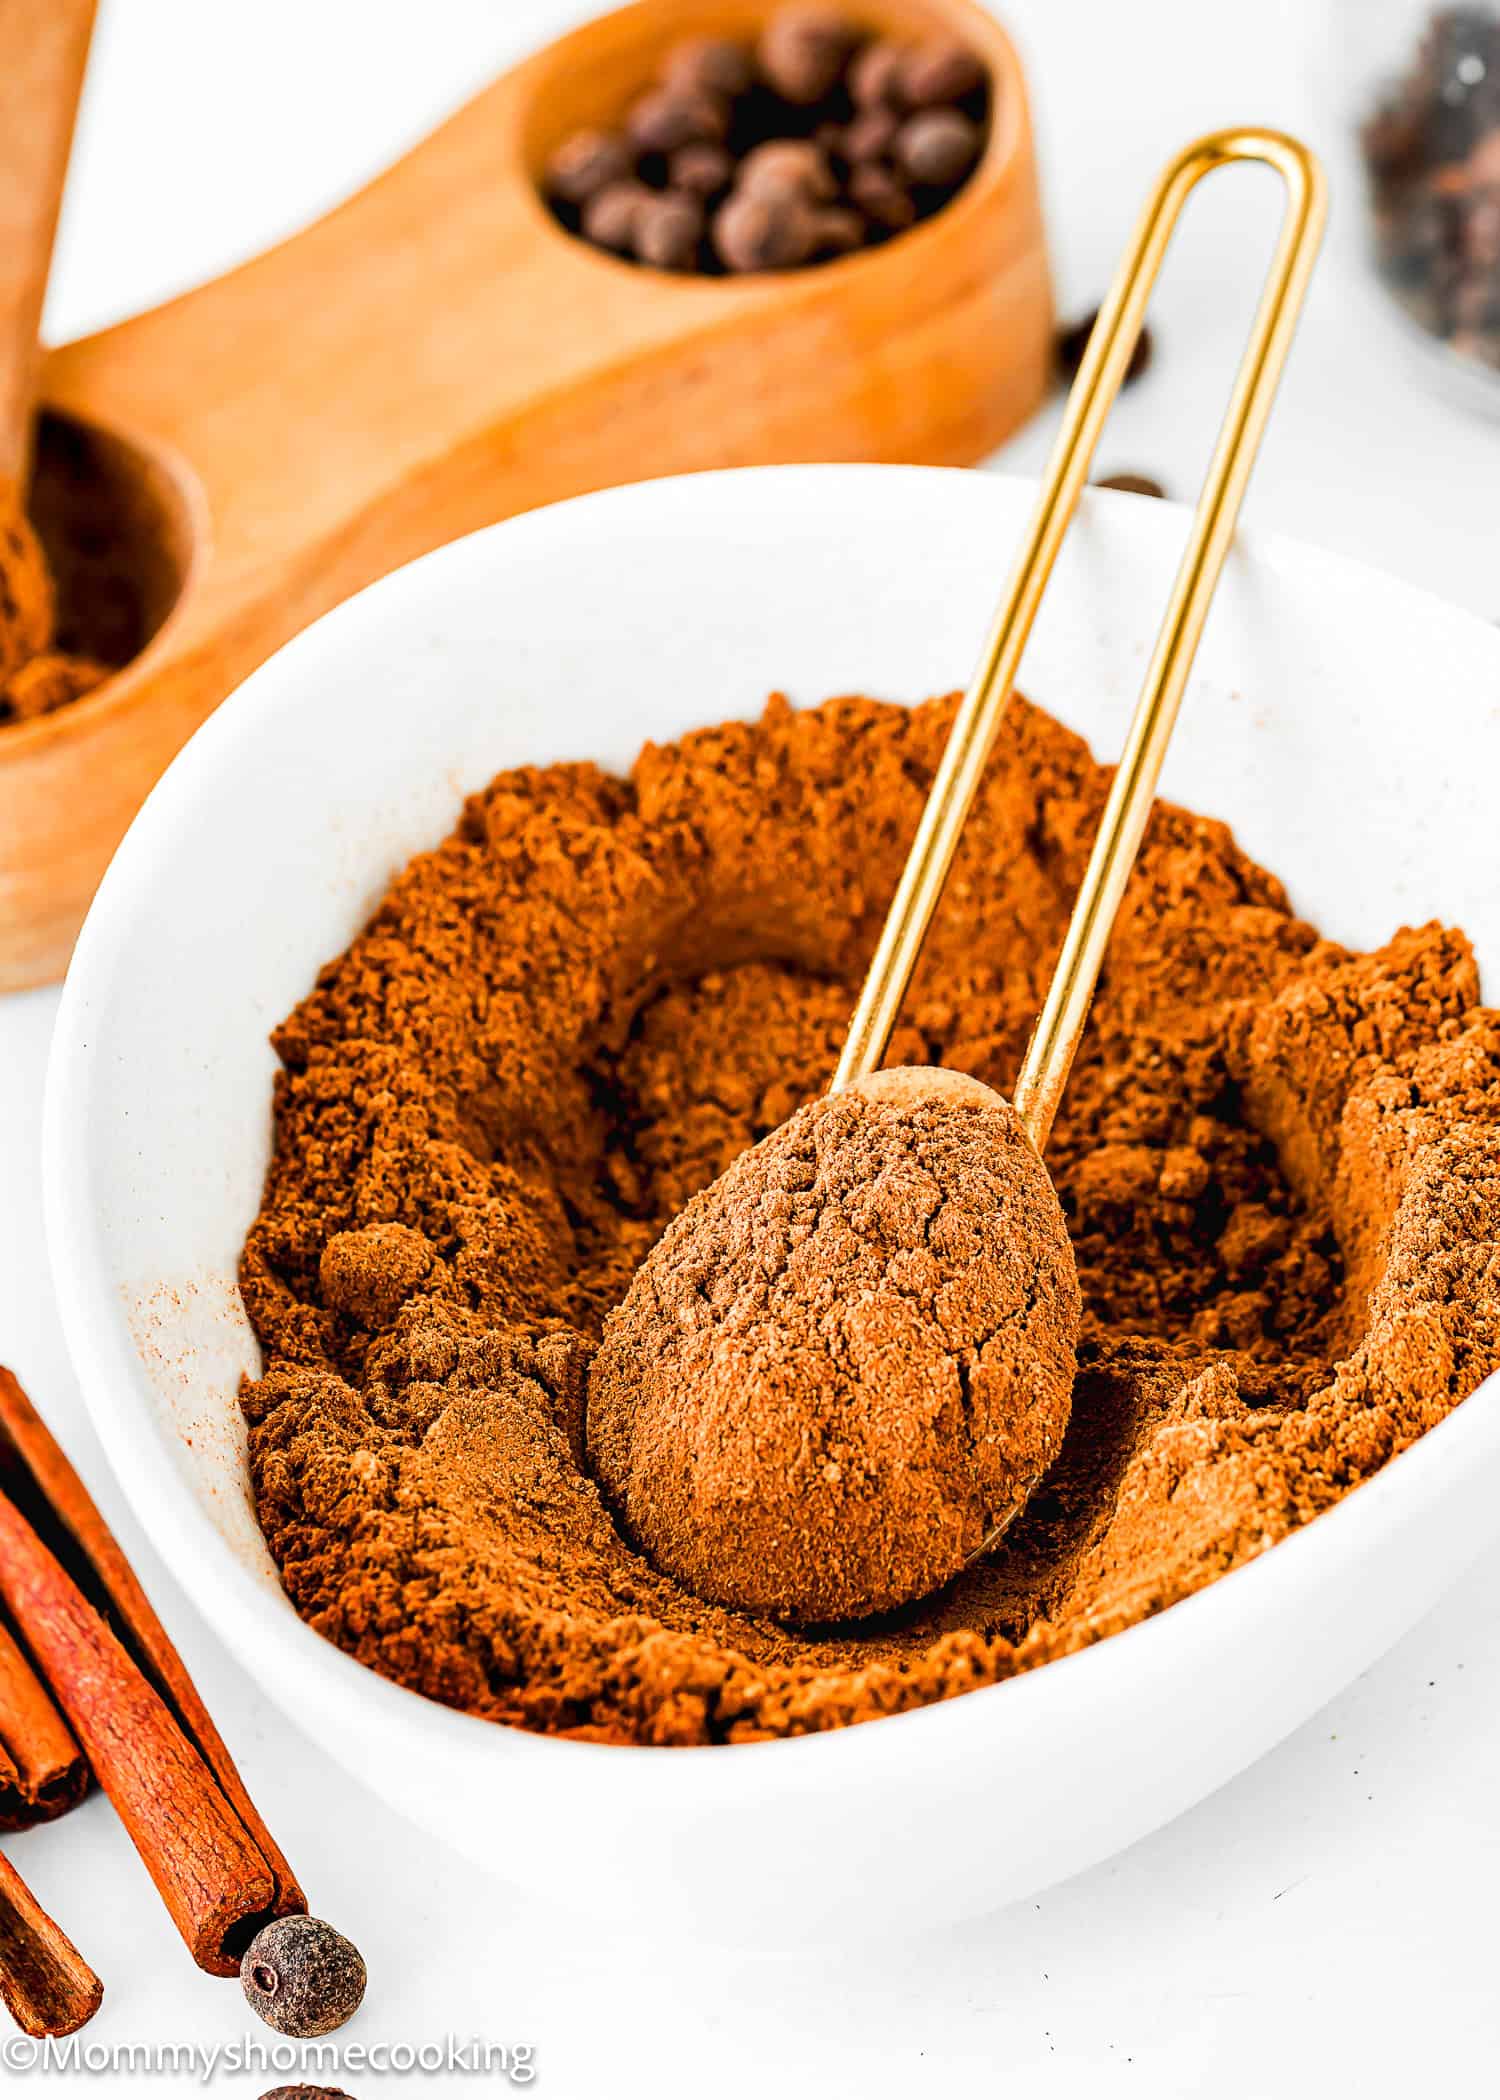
(1429, 135)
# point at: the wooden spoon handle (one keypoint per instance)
(44, 47)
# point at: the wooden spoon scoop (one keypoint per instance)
(43, 51)
(439, 353)
(44, 48)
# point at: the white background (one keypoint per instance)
(1326, 1921)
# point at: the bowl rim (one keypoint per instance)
(281, 1651)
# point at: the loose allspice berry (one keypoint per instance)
(1073, 343)
(810, 141)
(302, 1977)
(307, 2092)
(1132, 484)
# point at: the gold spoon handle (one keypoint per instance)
(1049, 1056)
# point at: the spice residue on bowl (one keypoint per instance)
(1279, 1162)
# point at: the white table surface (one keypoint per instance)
(1324, 1920)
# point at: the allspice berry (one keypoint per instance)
(871, 135)
(302, 1978)
(875, 76)
(1073, 342)
(1132, 484)
(845, 1366)
(939, 72)
(803, 50)
(787, 168)
(665, 118)
(763, 233)
(837, 231)
(701, 170)
(709, 65)
(668, 229)
(886, 204)
(585, 163)
(609, 220)
(307, 2092)
(938, 146)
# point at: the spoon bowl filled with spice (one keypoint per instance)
(472, 939)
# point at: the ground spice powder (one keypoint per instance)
(1279, 1162)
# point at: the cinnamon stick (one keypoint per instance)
(206, 1868)
(42, 1772)
(45, 1982)
(58, 1504)
(62, 1519)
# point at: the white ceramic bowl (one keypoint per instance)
(1348, 727)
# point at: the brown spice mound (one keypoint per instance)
(847, 1364)
(27, 610)
(1279, 1162)
(36, 678)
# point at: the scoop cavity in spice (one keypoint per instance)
(846, 1365)
(302, 1977)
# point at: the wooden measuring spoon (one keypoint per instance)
(43, 51)
(438, 353)
(44, 47)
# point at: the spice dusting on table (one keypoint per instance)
(1279, 1162)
